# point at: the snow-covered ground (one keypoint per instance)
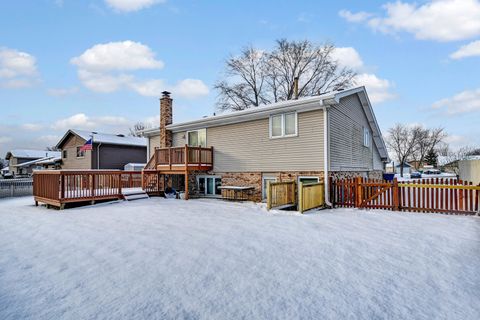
(208, 259)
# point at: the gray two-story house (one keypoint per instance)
(333, 134)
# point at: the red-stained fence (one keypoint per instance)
(427, 195)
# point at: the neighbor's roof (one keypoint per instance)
(31, 154)
(35, 161)
(302, 104)
(5, 169)
(107, 138)
(51, 160)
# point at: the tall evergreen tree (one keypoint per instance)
(431, 158)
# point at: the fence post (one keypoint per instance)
(396, 190)
(358, 192)
(300, 197)
(269, 196)
(12, 189)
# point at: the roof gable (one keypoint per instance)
(106, 138)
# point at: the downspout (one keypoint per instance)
(326, 143)
(98, 155)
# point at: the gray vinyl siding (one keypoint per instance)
(247, 147)
(117, 156)
(347, 152)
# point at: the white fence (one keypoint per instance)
(16, 187)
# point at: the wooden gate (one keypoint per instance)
(310, 196)
(376, 194)
(281, 194)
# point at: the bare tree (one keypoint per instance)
(428, 141)
(136, 130)
(453, 156)
(403, 142)
(258, 77)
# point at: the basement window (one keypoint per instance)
(283, 125)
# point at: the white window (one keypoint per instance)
(197, 138)
(283, 125)
(366, 137)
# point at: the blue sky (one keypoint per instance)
(102, 64)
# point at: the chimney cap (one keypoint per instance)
(165, 94)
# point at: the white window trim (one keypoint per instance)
(264, 185)
(308, 177)
(188, 132)
(366, 137)
(283, 135)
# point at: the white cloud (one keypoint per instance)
(109, 67)
(17, 69)
(354, 17)
(188, 88)
(117, 56)
(49, 139)
(348, 57)
(379, 90)
(5, 139)
(439, 20)
(31, 126)
(469, 50)
(82, 121)
(131, 5)
(464, 102)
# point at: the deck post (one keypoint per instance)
(186, 185)
(119, 185)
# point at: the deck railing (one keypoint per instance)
(184, 156)
(60, 186)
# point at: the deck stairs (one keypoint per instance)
(135, 194)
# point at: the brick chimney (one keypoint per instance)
(165, 119)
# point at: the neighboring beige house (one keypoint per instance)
(24, 161)
(292, 140)
(469, 169)
(109, 151)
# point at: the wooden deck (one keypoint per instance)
(179, 160)
(59, 187)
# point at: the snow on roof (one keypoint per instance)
(107, 138)
(49, 160)
(5, 169)
(31, 154)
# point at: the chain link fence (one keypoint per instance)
(16, 187)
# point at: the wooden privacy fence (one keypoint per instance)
(310, 196)
(280, 194)
(57, 187)
(427, 195)
(15, 187)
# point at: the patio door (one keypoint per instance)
(208, 185)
